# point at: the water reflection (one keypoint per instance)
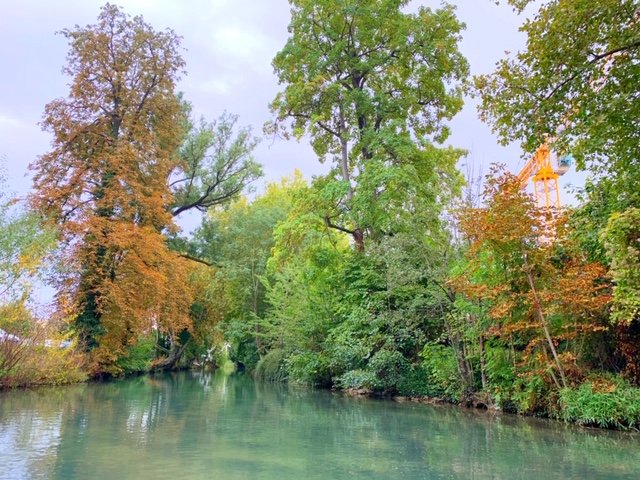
(202, 425)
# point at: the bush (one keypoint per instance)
(271, 367)
(27, 364)
(389, 367)
(443, 379)
(414, 383)
(531, 395)
(357, 379)
(311, 368)
(245, 354)
(605, 402)
(138, 358)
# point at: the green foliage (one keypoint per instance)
(358, 379)
(501, 373)
(239, 240)
(244, 352)
(372, 86)
(531, 395)
(309, 367)
(24, 245)
(138, 358)
(415, 382)
(608, 403)
(622, 241)
(272, 367)
(576, 82)
(216, 164)
(390, 368)
(443, 379)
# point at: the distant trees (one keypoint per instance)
(24, 244)
(238, 240)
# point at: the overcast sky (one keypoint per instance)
(229, 46)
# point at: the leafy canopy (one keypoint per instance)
(371, 86)
(576, 81)
(104, 182)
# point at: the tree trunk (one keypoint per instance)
(344, 162)
(545, 325)
(483, 372)
(171, 361)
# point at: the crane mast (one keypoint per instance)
(545, 177)
(545, 186)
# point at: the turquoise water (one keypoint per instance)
(208, 425)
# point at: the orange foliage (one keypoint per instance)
(544, 293)
(105, 182)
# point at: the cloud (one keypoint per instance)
(9, 122)
(215, 85)
(239, 43)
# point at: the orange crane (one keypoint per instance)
(545, 177)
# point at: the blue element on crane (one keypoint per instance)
(565, 160)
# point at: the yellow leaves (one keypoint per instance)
(603, 385)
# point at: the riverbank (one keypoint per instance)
(608, 404)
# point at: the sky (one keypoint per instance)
(229, 47)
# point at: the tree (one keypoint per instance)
(24, 243)
(577, 82)
(104, 182)
(216, 164)
(372, 86)
(238, 240)
(540, 293)
(622, 240)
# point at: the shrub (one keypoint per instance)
(245, 354)
(606, 402)
(138, 358)
(388, 367)
(531, 395)
(357, 379)
(443, 379)
(27, 363)
(271, 367)
(414, 383)
(311, 368)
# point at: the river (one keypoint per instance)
(210, 425)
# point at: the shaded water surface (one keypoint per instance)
(189, 425)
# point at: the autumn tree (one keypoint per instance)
(115, 143)
(540, 293)
(372, 86)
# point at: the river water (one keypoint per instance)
(209, 425)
